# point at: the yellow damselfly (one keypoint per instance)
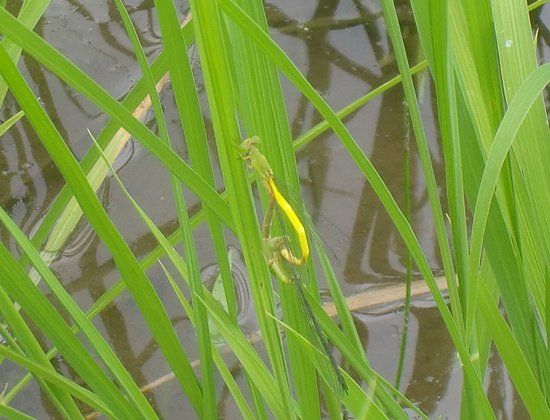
(259, 163)
(284, 264)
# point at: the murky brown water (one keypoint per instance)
(343, 49)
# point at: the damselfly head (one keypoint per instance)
(247, 146)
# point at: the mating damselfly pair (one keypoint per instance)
(287, 264)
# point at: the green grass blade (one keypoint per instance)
(522, 375)
(529, 164)
(440, 56)
(84, 395)
(249, 358)
(5, 126)
(61, 66)
(64, 206)
(187, 101)
(357, 360)
(191, 117)
(18, 285)
(480, 110)
(290, 70)
(211, 41)
(102, 348)
(257, 79)
(29, 15)
(355, 398)
(321, 127)
(514, 118)
(13, 414)
(136, 280)
(27, 344)
(183, 271)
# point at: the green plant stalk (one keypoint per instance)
(407, 211)
(171, 31)
(442, 67)
(450, 139)
(535, 4)
(321, 127)
(504, 231)
(192, 119)
(477, 99)
(511, 244)
(480, 110)
(436, 47)
(219, 88)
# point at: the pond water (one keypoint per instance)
(343, 49)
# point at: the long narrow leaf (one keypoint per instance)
(136, 280)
